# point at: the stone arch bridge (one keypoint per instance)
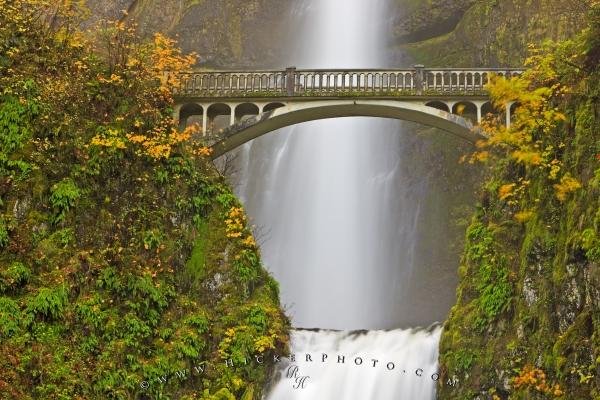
(234, 107)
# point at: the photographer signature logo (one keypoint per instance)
(293, 373)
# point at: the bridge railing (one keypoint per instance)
(327, 82)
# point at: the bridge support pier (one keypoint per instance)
(450, 105)
(204, 120)
(508, 114)
(232, 116)
(177, 113)
(479, 106)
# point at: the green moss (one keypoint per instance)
(196, 265)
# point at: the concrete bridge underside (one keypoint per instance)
(254, 120)
(255, 126)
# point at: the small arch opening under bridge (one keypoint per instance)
(219, 116)
(245, 111)
(272, 106)
(440, 105)
(189, 114)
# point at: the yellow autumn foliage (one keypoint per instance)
(506, 191)
(263, 343)
(524, 216)
(145, 129)
(534, 378)
(249, 242)
(567, 185)
(168, 63)
(235, 223)
(527, 156)
(536, 116)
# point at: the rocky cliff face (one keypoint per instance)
(526, 324)
(238, 33)
(225, 33)
(486, 32)
(127, 267)
(416, 21)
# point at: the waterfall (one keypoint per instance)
(347, 213)
(379, 365)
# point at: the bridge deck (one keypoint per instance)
(238, 106)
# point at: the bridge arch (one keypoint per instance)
(295, 113)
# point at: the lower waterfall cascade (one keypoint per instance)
(359, 365)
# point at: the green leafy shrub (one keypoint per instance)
(64, 237)
(257, 317)
(492, 276)
(462, 360)
(16, 275)
(246, 265)
(64, 197)
(48, 302)
(16, 115)
(591, 244)
(152, 239)
(4, 235)
(222, 394)
(188, 339)
(227, 200)
(10, 317)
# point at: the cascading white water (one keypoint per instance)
(379, 365)
(342, 203)
(344, 210)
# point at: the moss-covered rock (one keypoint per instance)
(496, 32)
(527, 319)
(416, 21)
(127, 269)
(225, 34)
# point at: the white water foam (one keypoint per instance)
(342, 365)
